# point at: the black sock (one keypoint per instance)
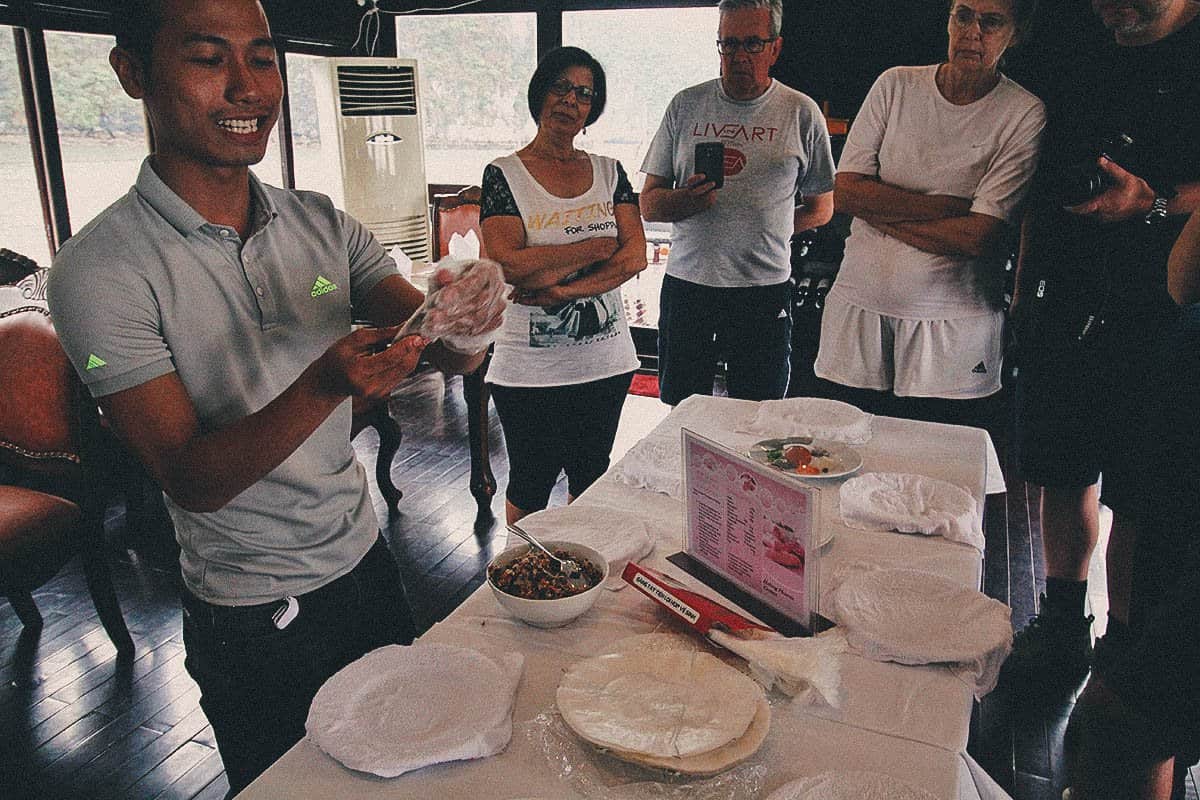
(1066, 597)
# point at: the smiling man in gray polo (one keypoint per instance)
(210, 314)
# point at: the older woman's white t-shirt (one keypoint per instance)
(910, 136)
(583, 340)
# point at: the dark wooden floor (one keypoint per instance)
(74, 724)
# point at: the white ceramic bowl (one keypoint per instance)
(548, 613)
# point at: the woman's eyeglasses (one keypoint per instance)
(753, 44)
(965, 17)
(563, 87)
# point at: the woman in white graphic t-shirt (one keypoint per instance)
(564, 225)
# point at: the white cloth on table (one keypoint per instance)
(811, 416)
(914, 617)
(910, 722)
(880, 501)
(849, 786)
(398, 709)
(619, 536)
(656, 462)
(985, 786)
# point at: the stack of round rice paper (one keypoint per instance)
(679, 710)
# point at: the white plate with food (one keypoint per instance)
(806, 458)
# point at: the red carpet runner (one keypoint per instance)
(644, 385)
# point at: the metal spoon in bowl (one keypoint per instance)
(566, 566)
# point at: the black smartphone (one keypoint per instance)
(710, 160)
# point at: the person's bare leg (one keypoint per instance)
(1119, 565)
(1070, 528)
(1107, 750)
(513, 513)
(1160, 780)
(1054, 652)
(1156, 784)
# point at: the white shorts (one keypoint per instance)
(955, 359)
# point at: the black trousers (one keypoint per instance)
(257, 681)
(553, 429)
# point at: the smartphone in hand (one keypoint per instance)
(710, 160)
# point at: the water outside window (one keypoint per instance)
(101, 130)
(21, 227)
(648, 55)
(317, 162)
(473, 72)
(270, 169)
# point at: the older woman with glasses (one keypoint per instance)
(564, 225)
(933, 170)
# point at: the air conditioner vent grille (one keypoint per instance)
(366, 90)
(408, 232)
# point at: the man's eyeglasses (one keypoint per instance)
(965, 17)
(753, 44)
(563, 87)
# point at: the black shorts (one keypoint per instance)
(1075, 397)
(553, 429)
(748, 327)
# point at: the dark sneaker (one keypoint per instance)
(1052, 654)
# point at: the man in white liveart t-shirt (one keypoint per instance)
(727, 290)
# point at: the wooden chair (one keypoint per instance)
(147, 524)
(50, 505)
(14, 266)
(378, 417)
(459, 213)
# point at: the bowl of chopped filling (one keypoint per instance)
(527, 583)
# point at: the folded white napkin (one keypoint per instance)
(881, 501)
(811, 416)
(461, 246)
(805, 668)
(654, 463)
(404, 264)
(915, 617)
(398, 709)
(618, 536)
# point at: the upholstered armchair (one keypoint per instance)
(50, 506)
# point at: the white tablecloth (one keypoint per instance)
(909, 722)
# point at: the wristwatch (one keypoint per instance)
(1158, 210)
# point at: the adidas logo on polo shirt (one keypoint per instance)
(323, 285)
(980, 369)
(94, 361)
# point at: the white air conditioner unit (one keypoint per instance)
(373, 104)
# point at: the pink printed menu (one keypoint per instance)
(752, 525)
